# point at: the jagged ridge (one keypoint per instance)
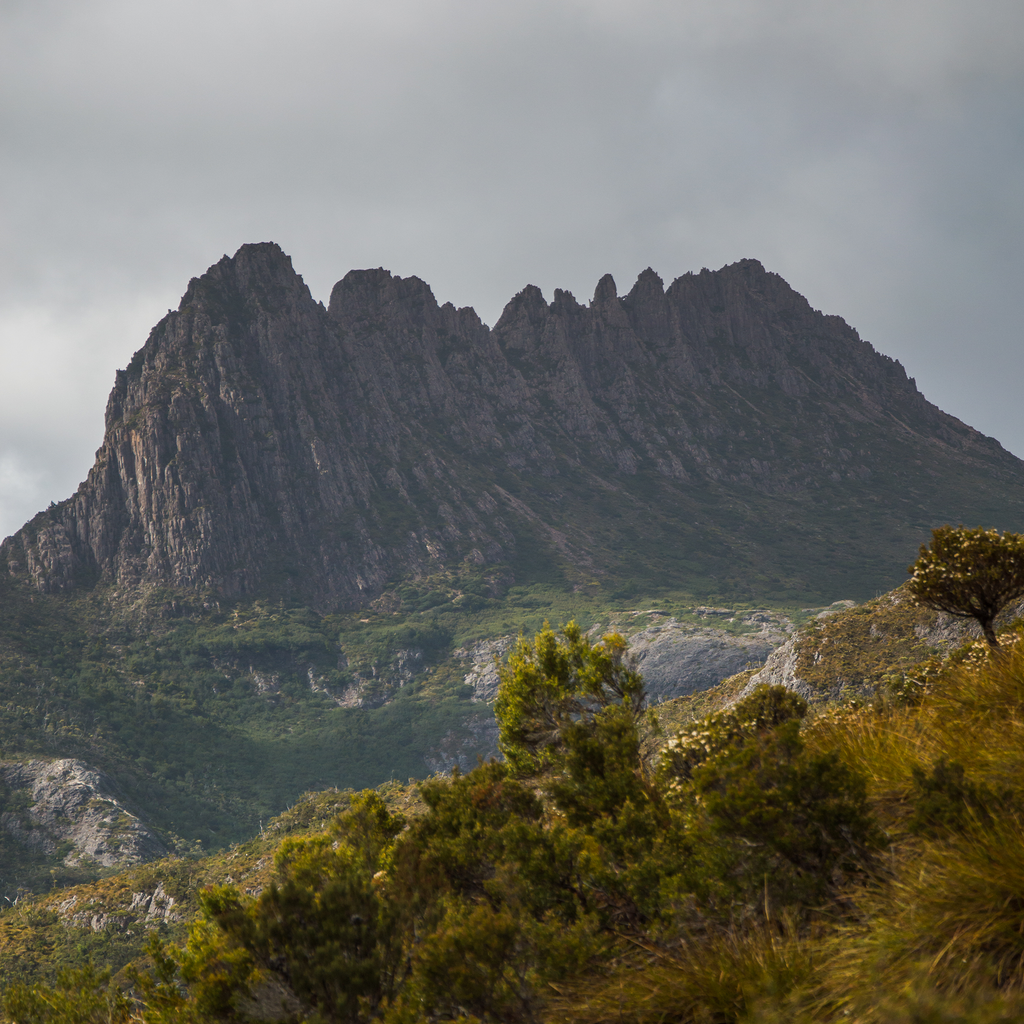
(260, 443)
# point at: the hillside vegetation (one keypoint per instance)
(210, 719)
(769, 862)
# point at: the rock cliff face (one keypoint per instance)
(720, 430)
(69, 811)
(675, 658)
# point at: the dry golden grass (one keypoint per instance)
(973, 714)
(936, 934)
(940, 935)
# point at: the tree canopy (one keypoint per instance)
(969, 573)
(554, 686)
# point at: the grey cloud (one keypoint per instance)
(868, 152)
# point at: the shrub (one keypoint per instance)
(945, 801)
(763, 710)
(549, 686)
(788, 823)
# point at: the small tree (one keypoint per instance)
(553, 689)
(972, 574)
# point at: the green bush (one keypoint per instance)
(945, 801)
(782, 822)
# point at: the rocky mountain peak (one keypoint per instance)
(719, 429)
(605, 292)
(526, 307)
(362, 295)
(260, 273)
(649, 287)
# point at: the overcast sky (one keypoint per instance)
(869, 151)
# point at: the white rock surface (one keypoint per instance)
(677, 659)
(779, 670)
(70, 806)
(483, 673)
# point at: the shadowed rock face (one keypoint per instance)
(717, 430)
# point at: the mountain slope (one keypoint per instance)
(719, 437)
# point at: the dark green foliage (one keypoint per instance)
(473, 820)
(769, 820)
(576, 711)
(493, 964)
(788, 822)
(209, 723)
(429, 637)
(550, 686)
(501, 892)
(972, 574)
(84, 996)
(944, 800)
(760, 712)
(487, 840)
(321, 928)
(296, 635)
(602, 774)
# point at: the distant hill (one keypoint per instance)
(719, 437)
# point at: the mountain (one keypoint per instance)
(719, 437)
(309, 531)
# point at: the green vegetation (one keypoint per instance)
(106, 922)
(771, 863)
(972, 574)
(209, 718)
(552, 692)
(209, 722)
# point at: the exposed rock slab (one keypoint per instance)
(677, 659)
(69, 808)
(483, 672)
(477, 738)
(780, 669)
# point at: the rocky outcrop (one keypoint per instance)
(484, 657)
(678, 659)
(780, 669)
(850, 650)
(67, 809)
(141, 911)
(262, 443)
(464, 747)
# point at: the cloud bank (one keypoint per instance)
(870, 153)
